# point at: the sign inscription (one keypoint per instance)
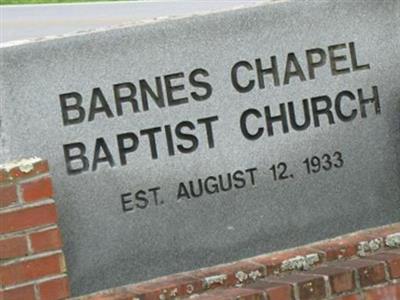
(187, 136)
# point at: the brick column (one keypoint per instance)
(32, 265)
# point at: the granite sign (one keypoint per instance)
(188, 142)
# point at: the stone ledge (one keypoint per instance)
(22, 169)
(366, 262)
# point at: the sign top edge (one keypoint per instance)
(132, 24)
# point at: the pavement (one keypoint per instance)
(18, 22)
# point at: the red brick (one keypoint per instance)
(37, 190)
(56, 289)
(46, 240)
(241, 294)
(13, 247)
(233, 273)
(337, 248)
(120, 293)
(232, 294)
(128, 296)
(212, 295)
(24, 218)
(309, 286)
(273, 262)
(341, 280)
(8, 195)
(392, 259)
(31, 269)
(275, 291)
(388, 292)
(370, 272)
(349, 297)
(168, 287)
(21, 293)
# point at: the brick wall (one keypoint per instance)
(32, 263)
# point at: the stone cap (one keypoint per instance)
(22, 169)
(364, 263)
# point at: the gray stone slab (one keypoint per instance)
(353, 47)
